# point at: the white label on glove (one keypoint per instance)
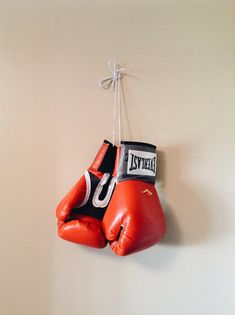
(141, 163)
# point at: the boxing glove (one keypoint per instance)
(80, 212)
(134, 219)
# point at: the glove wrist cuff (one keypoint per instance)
(138, 161)
(105, 158)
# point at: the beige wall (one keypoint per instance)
(53, 119)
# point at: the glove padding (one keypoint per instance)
(80, 212)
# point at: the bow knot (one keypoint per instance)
(117, 74)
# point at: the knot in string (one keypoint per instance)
(117, 74)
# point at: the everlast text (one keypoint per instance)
(142, 163)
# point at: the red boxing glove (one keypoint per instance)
(82, 209)
(134, 219)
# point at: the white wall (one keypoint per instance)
(54, 118)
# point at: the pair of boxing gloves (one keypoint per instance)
(115, 201)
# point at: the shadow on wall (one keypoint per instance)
(187, 210)
(190, 210)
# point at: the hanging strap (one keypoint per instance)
(115, 80)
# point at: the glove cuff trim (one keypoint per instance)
(143, 144)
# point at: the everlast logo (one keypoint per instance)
(138, 162)
(141, 163)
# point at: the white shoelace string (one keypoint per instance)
(115, 82)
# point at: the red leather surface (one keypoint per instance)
(134, 219)
(85, 231)
(81, 229)
(99, 158)
(73, 198)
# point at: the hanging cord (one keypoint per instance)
(116, 82)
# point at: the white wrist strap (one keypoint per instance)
(116, 82)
